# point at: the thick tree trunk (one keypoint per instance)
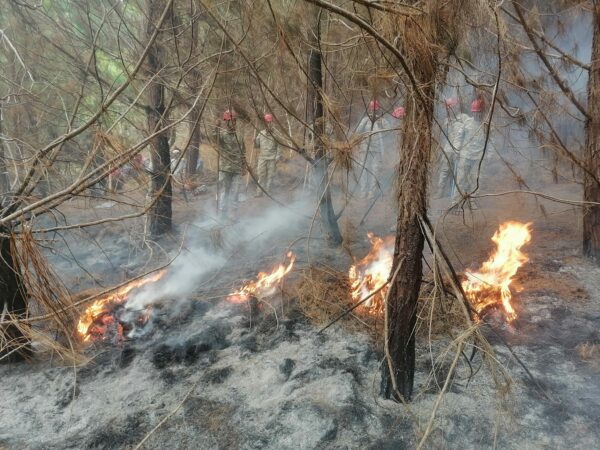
(160, 213)
(328, 217)
(591, 192)
(12, 303)
(408, 253)
(415, 153)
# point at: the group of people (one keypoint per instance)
(463, 138)
(232, 159)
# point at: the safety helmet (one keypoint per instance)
(399, 112)
(451, 102)
(268, 118)
(477, 105)
(374, 105)
(229, 115)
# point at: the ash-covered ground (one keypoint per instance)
(213, 375)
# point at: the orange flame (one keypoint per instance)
(372, 272)
(491, 284)
(100, 306)
(265, 283)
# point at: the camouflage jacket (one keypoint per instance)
(454, 135)
(232, 151)
(266, 141)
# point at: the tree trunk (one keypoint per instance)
(193, 152)
(315, 93)
(415, 153)
(4, 181)
(160, 213)
(12, 303)
(591, 191)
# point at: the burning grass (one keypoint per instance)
(100, 316)
(324, 293)
(266, 283)
(490, 285)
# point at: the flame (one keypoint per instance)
(491, 284)
(97, 310)
(265, 283)
(372, 272)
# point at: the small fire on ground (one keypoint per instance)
(371, 273)
(265, 283)
(107, 317)
(490, 285)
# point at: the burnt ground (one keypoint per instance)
(223, 378)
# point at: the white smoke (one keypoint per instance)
(191, 267)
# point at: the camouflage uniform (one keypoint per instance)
(453, 139)
(232, 162)
(370, 156)
(266, 141)
(470, 154)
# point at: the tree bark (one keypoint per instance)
(315, 94)
(4, 180)
(12, 303)
(591, 191)
(160, 213)
(415, 153)
(193, 152)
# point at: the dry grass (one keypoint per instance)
(324, 293)
(49, 301)
(437, 316)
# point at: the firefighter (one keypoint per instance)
(453, 138)
(232, 161)
(471, 152)
(370, 156)
(267, 142)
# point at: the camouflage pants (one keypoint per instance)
(229, 187)
(448, 175)
(466, 176)
(370, 172)
(266, 172)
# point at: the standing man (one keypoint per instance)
(453, 138)
(372, 147)
(232, 161)
(471, 152)
(266, 142)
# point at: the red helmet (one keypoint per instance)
(399, 112)
(477, 105)
(229, 115)
(268, 118)
(374, 105)
(451, 102)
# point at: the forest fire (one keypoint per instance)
(372, 272)
(102, 316)
(265, 283)
(490, 285)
